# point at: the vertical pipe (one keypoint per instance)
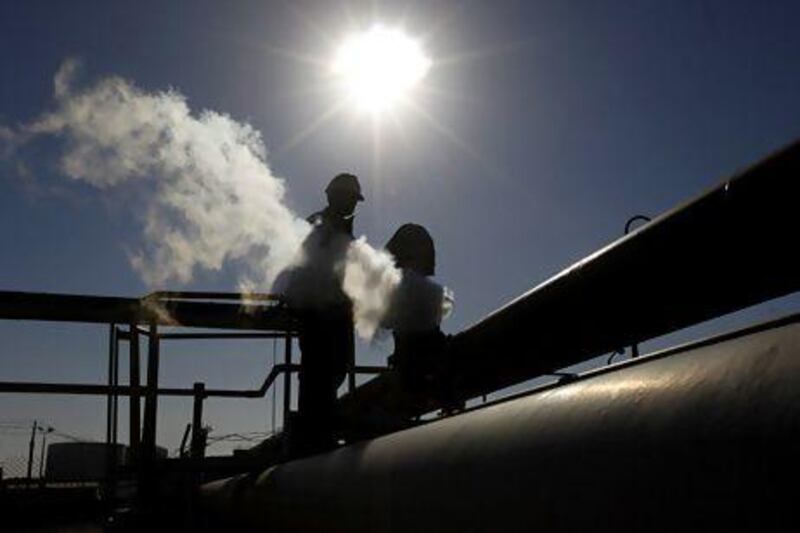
(198, 445)
(274, 386)
(134, 401)
(115, 398)
(287, 379)
(109, 455)
(109, 398)
(151, 397)
(113, 452)
(147, 457)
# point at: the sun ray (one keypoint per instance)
(448, 132)
(439, 23)
(494, 51)
(310, 129)
(270, 49)
(300, 57)
(448, 94)
(376, 177)
(322, 31)
(311, 90)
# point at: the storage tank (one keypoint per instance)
(85, 461)
(81, 461)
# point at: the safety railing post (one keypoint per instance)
(110, 450)
(134, 402)
(287, 380)
(148, 450)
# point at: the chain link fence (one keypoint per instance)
(16, 466)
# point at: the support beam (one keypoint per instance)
(151, 397)
(134, 402)
(114, 394)
(147, 457)
(112, 402)
(287, 381)
(110, 382)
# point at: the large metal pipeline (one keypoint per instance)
(703, 437)
(731, 248)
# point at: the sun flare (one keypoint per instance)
(379, 67)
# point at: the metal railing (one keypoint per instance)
(142, 429)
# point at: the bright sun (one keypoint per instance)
(379, 67)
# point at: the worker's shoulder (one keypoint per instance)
(317, 218)
(328, 225)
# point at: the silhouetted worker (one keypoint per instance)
(415, 314)
(326, 316)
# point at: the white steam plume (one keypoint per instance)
(214, 198)
(370, 280)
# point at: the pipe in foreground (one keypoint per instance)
(704, 437)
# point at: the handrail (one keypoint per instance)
(188, 311)
(209, 295)
(125, 390)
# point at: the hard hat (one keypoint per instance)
(412, 247)
(345, 182)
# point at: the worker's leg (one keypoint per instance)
(307, 424)
(326, 345)
(320, 376)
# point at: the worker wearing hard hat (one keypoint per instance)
(326, 315)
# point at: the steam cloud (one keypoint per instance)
(213, 198)
(370, 279)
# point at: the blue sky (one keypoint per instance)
(550, 124)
